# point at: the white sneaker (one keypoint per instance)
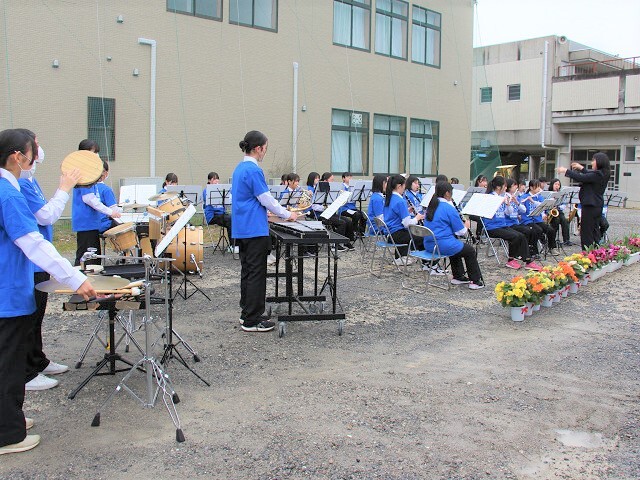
(41, 383)
(55, 369)
(400, 261)
(31, 441)
(435, 269)
(28, 422)
(236, 250)
(271, 259)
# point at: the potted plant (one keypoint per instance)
(514, 295)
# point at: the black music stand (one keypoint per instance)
(220, 194)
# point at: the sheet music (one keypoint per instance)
(190, 192)
(548, 204)
(173, 232)
(482, 205)
(361, 190)
(137, 193)
(457, 195)
(276, 190)
(331, 210)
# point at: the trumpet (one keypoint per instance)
(553, 213)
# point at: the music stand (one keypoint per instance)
(319, 198)
(181, 225)
(186, 192)
(290, 198)
(219, 194)
(469, 193)
(361, 192)
(276, 190)
(137, 194)
(547, 204)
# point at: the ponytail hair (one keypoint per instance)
(441, 189)
(251, 140)
(392, 184)
(171, 177)
(497, 181)
(377, 185)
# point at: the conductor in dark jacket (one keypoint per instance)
(592, 186)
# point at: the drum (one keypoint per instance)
(188, 243)
(145, 246)
(157, 223)
(123, 237)
(174, 208)
(89, 164)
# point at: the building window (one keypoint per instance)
(424, 141)
(425, 38)
(630, 153)
(392, 18)
(350, 141)
(389, 139)
(101, 123)
(513, 92)
(200, 8)
(486, 94)
(352, 23)
(254, 13)
(584, 158)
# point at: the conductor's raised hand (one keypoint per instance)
(86, 290)
(69, 179)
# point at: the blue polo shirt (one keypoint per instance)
(35, 198)
(375, 208)
(446, 221)
(107, 197)
(249, 216)
(395, 212)
(498, 220)
(84, 217)
(210, 210)
(16, 220)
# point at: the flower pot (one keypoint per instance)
(557, 296)
(573, 287)
(529, 311)
(536, 307)
(564, 291)
(517, 313)
(585, 280)
(633, 258)
(615, 265)
(547, 300)
(596, 274)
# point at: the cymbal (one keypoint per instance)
(163, 196)
(132, 206)
(99, 282)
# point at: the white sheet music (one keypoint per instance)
(457, 196)
(331, 210)
(483, 205)
(137, 193)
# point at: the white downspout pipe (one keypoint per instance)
(545, 71)
(152, 107)
(294, 153)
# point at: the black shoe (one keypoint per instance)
(341, 248)
(349, 246)
(263, 326)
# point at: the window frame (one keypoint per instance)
(509, 99)
(583, 156)
(109, 153)
(359, 4)
(402, 161)
(194, 14)
(434, 138)
(482, 91)
(397, 16)
(351, 129)
(427, 26)
(253, 25)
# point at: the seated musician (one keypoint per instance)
(445, 223)
(531, 199)
(560, 222)
(376, 202)
(108, 198)
(514, 211)
(86, 212)
(349, 209)
(412, 194)
(342, 226)
(397, 217)
(216, 214)
(497, 228)
(169, 179)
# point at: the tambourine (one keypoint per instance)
(89, 164)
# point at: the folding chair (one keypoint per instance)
(490, 244)
(429, 257)
(388, 246)
(367, 240)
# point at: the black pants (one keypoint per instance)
(468, 253)
(532, 234)
(518, 243)
(224, 220)
(253, 277)
(590, 226)
(548, 232)
(37, 361)
(604, 226)
(13, 360)
(561, 222)
(357, 219)
(85, 240)
(403, 236)
(342, 226)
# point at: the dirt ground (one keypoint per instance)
(442, 385)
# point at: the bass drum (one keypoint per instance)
(188, 250)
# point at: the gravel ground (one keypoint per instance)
(441, 385)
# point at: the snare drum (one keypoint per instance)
(184, 247)
(157, 223)
(123, 237)
(174, 207)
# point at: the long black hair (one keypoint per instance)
(478, 179)
(171, 177)
(88, 144)
(252, 139)
(311, 178)
(392, 183)
(497, 181)
(603, 164)
(441, 189)
(410, 180)
(552, 183)
(377, 185)
(14, 140)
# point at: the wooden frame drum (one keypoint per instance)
(89, 164)
(123, 237)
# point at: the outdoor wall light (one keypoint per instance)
(120, 19)
(55, 63)
(136, 72)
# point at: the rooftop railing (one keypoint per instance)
(599, 66)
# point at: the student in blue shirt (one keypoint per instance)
(108, 198)
(376, 201)
(341, 225)
(216, 214)
(22, 245)
(513, 211)
(444, 221)
(397, 217)
(412, 194)
(251, 200)
(531, 200)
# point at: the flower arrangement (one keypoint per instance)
(514, 293)
(599, 256)
(541, 282)
(581, 260)
(568, 271)
(619, 253)
(632, 243)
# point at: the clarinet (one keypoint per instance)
(470, 237)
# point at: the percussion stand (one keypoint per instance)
(185, 279)
(157, 380)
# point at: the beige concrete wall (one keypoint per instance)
(502, 114)
(632, 91)
(585, 94)
(215, 81)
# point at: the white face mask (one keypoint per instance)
(40, 158)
